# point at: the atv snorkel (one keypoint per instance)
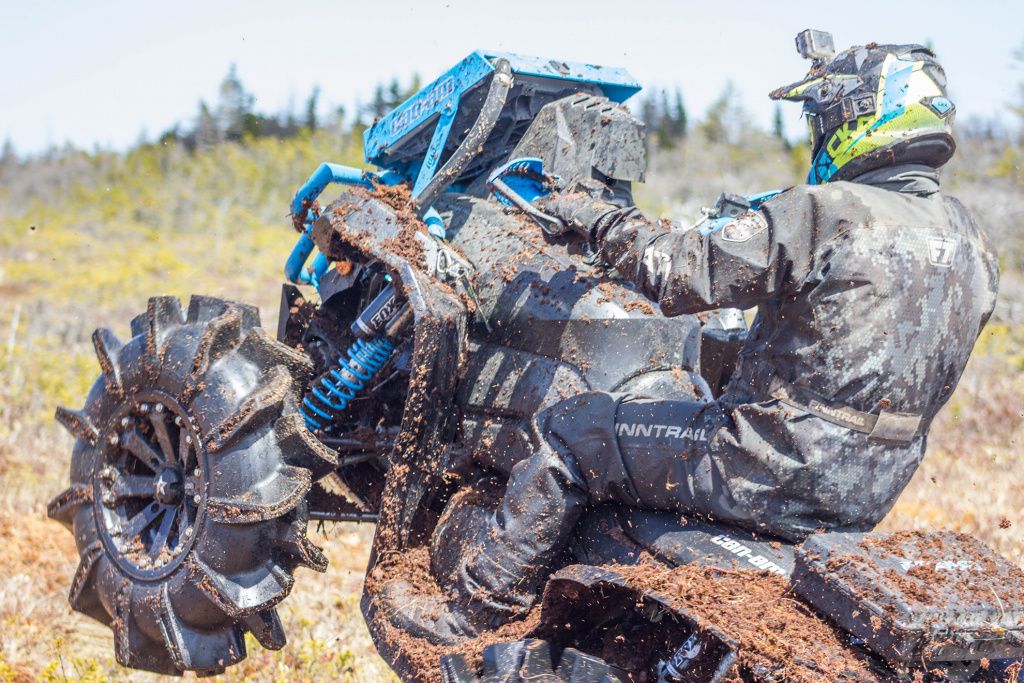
(426, 191)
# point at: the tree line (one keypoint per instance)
(234, 117)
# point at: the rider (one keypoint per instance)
(871, 288)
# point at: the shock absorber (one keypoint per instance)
(378, 329)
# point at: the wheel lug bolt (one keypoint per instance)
(108, 474)
(197, 499)
(188, 438)
(177, 420)
(109, 499)
(114, 439)
(197, 473)
(125, 421)
(144, 408)
(159, 407)
(188, 532)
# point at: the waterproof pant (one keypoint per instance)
(765, 466)
(594, 448)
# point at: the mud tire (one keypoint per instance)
(530, 661)
(188, 484)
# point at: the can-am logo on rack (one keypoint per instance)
(422, 106)
(742, 551)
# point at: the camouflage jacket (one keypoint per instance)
(865, 296)
(869, 302)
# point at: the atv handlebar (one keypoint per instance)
(521, 181)
(305, 211)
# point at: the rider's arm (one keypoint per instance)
(755, 257)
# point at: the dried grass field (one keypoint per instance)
(84, 241)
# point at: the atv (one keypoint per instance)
(411, 354)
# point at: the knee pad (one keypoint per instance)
(583, 427)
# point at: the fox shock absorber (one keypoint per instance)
(674, 668)
(378, 330)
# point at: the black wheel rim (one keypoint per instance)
(149, 485)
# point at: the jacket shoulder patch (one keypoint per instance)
(745, 227)
(941, 251)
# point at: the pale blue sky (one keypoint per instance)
(100, 72)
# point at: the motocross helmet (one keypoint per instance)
(871, 106)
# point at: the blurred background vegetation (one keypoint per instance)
(87, 236)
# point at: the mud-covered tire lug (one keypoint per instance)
(528, 660)
(188, 484)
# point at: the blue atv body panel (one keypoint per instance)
(403, 147)
(441, 97)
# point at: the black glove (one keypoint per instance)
(579, 213)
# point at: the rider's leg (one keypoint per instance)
(495, 559)
(578, 459)
(596, 447)
(766, 466)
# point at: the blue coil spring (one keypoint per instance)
(332, 391)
